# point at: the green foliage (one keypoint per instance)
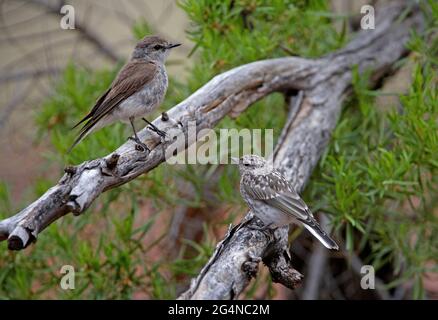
(230, 33)
(377, 180)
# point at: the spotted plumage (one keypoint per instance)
(274, 200)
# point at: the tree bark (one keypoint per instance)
(322, 85)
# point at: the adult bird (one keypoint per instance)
(273, 199)
(137, 90)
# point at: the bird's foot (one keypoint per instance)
(152, 127)
(265, 229)
(161, 133)
(140, 146)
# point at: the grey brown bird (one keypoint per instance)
(137, 90)
(273, 199)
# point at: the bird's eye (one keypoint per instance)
(158, 47)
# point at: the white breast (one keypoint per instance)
(146, 100)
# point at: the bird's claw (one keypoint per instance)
(161, 133)
(140, 146)
(152, 127)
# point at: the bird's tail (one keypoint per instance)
(85, 131)
(321, 235)
(78, 139)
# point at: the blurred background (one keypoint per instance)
(146, 239)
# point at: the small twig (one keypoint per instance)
(111, 162)
(287, 50)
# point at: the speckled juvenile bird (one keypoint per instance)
(137, 90)
(273, 199)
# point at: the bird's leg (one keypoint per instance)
(140, 144)
(161, 133)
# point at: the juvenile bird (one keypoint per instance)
(273, 199)
(138, 89)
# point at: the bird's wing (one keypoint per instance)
(276, 191)
(133, 76)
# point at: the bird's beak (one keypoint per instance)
(173, 45)
(234, 160)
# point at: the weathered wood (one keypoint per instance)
(322, 83)
(81, 185)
